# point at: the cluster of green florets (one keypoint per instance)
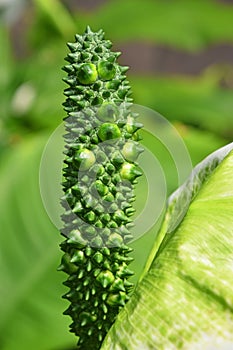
(99, 175)
(88, 72)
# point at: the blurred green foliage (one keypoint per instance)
(31, 91)
(190, 25)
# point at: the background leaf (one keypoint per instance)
(58, 15)
(185, 300)
(194, 100)
(31, 288)
(190, 25)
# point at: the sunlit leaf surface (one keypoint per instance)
(185, 299)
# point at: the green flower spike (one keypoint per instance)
(100, 154)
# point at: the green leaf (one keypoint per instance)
(31, 288)
(199, 101)
(5, 58)
(58, 15)
(185, 297)
(6, 74)
(199, 143)
(189, 25)
(40, 112)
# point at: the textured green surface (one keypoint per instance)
(185, 300)
(99, 176)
